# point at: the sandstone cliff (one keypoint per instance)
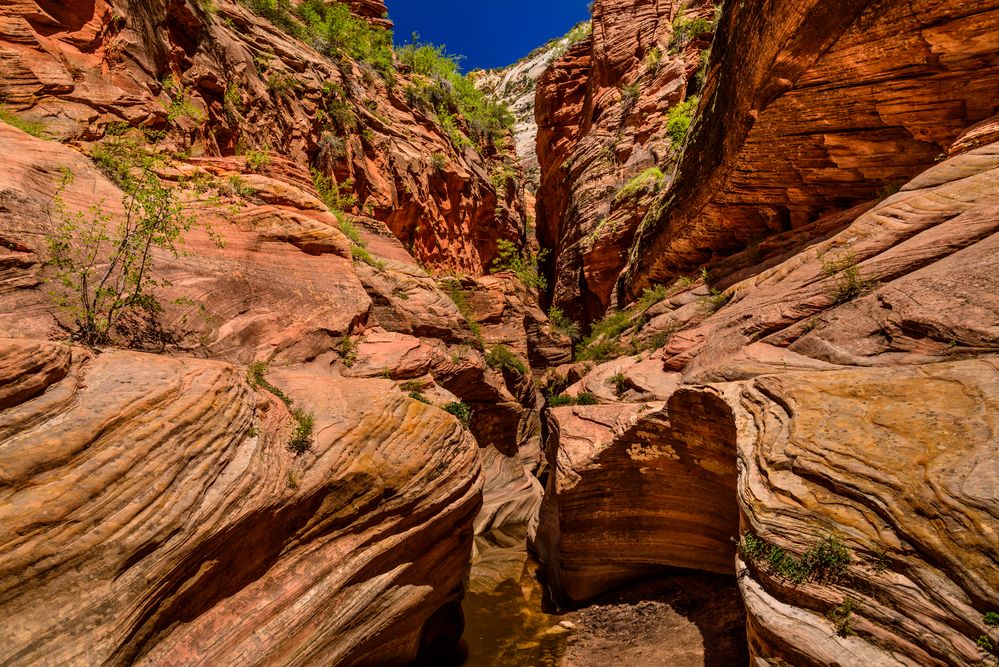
(820, 393)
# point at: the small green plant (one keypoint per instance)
(180, 102)
(583, 398)
(716, 301)
(620, 383)
(501, 358)
(685, 30)
(283, 83)
(522, 263)
(653, 57)
(630, 95)
(438, 160)
(361, 254)
(257, 159)
(460, 410)
(842, 617)
(418, 396)
(347, 348)
(649, 181)
(411, 385)
(985, 643)
(826, 561)
(256, 377)
(602, 343)
(337, 196)
(453, 289)
(293, 480)
(563, 324)
(678, 120)
(991, 619)
(849, 283)
(301, 436)
(651, 296)
(33, 128)
(102, 272)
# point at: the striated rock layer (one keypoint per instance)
(603, 120)
(839, 102)
(228, 82)
(152, 514)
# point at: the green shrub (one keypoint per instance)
(842, 618)
(583, 398)
(338, 197)
(333, 30)
(450, 94)
(685, 30)
(602, 343)
(849, 284)
(453, 289)
(301, 437)
(361, 254)
(679, 119)
(716, 301)
(438, 160)
(630, 95)
(33, 128)
(991, 619)
(651, 296)
(256, 160)
(501, 358)
(620, 383)
(563, 324)
(826, 561)
(578, 33)
(418, 396)
(256, 377)
(649, 180)
(102, 272)
(347, 349)
(460, 410)
(522, 263)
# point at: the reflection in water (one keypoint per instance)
(504, 624)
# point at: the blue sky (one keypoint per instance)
(489, 33)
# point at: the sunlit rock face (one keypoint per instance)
(602, 113)
(80, 66)
(838, 103)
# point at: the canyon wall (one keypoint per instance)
(270, 441)
(603, 123)
(800, 392)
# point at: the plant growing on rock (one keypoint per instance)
(523, 264)
(620, 383)
(418, 396)
(256, 377)
(648, 181)
(686, 29)
(826, 561)
(583, 398)
(301, 436)
(842, 617)
(33, 128)
(347, 348)
(102, 269)
(501, 358)
(849, 283)
(563, 324)
(460, 410)
(679, 119)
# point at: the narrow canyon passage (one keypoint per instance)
(673, 342)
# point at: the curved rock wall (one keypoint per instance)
(226, 82)
(839, 103)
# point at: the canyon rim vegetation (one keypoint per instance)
(308, 337)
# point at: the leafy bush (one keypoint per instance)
(826, 561)
(583, 398)
(256, 160)
(849, 284)
(685, 30)
(301, 437)
(651, 296)
(602, 342)
(33, 128)
(338, 197)
(679, 119)
(501, 358)
(348, 351)
(103, 271)
(578, 33)
(842, 618)
(620, 383)
(450, 94)
(255, 377)
(991, 619)
(460, 410)
(418, 396)
(521, 263)
(649, 180)
(332, 29)
(563, 324)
